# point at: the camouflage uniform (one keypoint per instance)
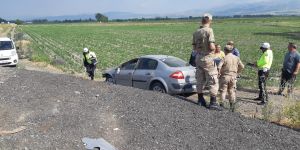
(206, 71)
(229, 68)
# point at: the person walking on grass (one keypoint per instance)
(291, 68)
(229, 68)
(264, 65)
(206, 69)
(89, 62)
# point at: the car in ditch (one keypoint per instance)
(162, 73)
(8, 52)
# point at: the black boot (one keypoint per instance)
(279, 93)
(264, 99)
(232, 107)
(201, 100)
(213, 104)
(222, 105)
(261, 103)
(257, 99)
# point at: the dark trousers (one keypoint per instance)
(192, 60)
(262, 78)
(287, 79)
(90, 69)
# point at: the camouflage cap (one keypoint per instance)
(207, 15)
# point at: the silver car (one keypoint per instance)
(166, 74)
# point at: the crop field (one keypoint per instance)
(115, 43)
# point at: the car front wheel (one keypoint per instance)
(109, 79)
(158, 87)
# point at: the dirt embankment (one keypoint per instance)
(55, 111)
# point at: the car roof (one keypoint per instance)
(5, 39)
(156, 56)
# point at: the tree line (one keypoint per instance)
(2, 20)
(102, 18)
(98, 17)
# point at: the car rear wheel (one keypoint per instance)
(158, 87)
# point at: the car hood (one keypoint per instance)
(6, 53)
(110, 70)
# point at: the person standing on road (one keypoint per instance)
(264, 65)
(291, 67)
(229, 68)
(235, 51)
(206, 69)
(89, 62)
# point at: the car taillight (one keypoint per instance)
(177, 75)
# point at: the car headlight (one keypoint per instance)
(13, 53)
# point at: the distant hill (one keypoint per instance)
(111, 15)
(68, 17)
(277, 7)
(286, 7)
(128, 15)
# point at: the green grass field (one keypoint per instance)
(117, 42)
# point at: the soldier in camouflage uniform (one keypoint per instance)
(229, 68)
(206, 72)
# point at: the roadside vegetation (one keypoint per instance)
(61, 44)
(293, 114)
(5, 30)
(286, 113)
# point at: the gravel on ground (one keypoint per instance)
(56, 111)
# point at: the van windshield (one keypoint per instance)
(6, 45)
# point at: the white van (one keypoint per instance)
(8, 52)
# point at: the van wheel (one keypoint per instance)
(158, 87)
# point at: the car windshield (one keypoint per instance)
(6, 45)
(174, 62)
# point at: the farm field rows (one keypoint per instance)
(117, 42)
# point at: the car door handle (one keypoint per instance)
(130, 73)
(148, 74)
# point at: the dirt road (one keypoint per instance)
(55, 111)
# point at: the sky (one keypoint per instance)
(14, 9)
